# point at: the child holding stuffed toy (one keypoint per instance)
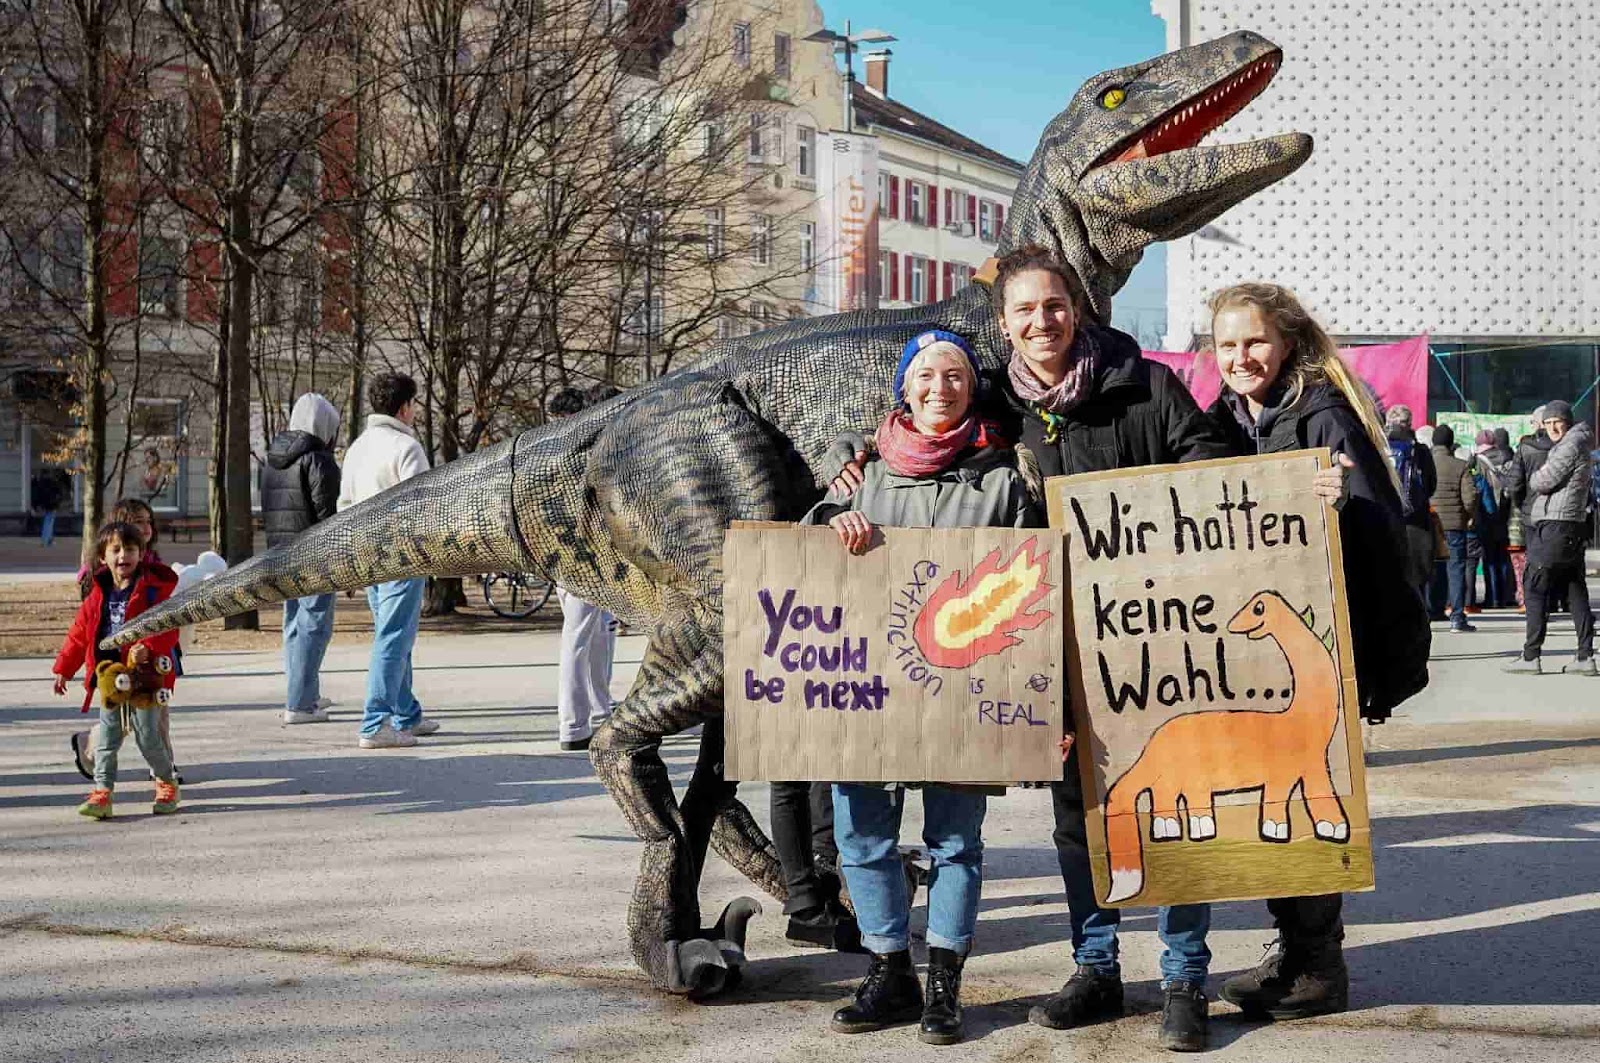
(132, 690)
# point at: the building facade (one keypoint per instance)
(1451, 191)
(942, 196)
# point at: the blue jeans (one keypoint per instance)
(866, 825)
(47, 527)
(1456, 572)
(307, 627)
(1182, 927)
(396, 607)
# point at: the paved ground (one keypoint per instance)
(465, 900)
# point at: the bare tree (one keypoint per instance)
(75, 75)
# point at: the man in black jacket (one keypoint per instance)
(299, 488)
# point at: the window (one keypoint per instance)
(916, 205)
(918, 292)
(960, 277)
(758, 125)
(716, 232)
(28, 118)
(761, 240)
(883, 194)
(711, 142)
(160, 137)
(158, 276)
(67, 139)
(780, 55)
(727, 327)
(883, 275)
(985, 220)
(741, 43)
(306, 310)
(808, 246)
(648, 319)
(806, 152)
(958, 212)
(66, 265)
(26, 271)
(762, 317)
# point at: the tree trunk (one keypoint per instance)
(239, 526)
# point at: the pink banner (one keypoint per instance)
(1398, 372)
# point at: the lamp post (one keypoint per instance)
(847, 43)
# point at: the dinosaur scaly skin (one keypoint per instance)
(627, 504)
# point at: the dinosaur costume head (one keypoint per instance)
(1120, 168)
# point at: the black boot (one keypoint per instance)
(1183, 1017)
(890, 994)
(1089, 996)
(941, 1015)
(1294, 981)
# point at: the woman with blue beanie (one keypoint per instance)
(938, 466)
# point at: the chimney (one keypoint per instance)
(878, 71)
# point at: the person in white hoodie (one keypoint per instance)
(382, 456)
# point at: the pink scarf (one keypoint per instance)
(1074, 387)
(908, 452)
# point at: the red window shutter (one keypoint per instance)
(894, 273)
(933, 206)
(949, 204)
(999, 218)
(894, 196)
(949, 279)
(933, 281)
(972, 212)
(905, 282)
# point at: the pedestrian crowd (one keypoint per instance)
(1079, 397)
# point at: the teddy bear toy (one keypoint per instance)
(141, 686)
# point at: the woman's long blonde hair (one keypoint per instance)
(1313, 358)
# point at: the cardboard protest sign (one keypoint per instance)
(1213, 687)
(933, 657)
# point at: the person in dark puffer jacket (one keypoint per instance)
(1287, 389)
(299, 488)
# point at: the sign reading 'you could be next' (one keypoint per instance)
(1212, 682)
(934, 657)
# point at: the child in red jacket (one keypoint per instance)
(125, 586)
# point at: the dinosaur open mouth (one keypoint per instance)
(1187, 124)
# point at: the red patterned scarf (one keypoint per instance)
(910, 453)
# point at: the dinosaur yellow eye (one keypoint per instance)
(1111, 99)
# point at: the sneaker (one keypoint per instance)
(315, 714)
(1523, 666)
(1582, 666)
(82, 755)
(1089, 996)
(1458, 627)
(577, 745)
(97, 806)
(423, 726)
(166, 801)
(1184, 1016)
(388, 738)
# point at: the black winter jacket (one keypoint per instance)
(299, 485)
(1138, 413)
(1388, 622)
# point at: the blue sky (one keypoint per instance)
(999, 71)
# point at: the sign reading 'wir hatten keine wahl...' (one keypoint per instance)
(934, 657)
(1212, 684)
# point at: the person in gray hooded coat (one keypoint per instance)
(299, 488)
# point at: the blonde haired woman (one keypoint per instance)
(1288, 389)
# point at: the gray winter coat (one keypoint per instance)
(1559, 490)
(983, 489)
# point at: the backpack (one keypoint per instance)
(1488, 503)
(1413, 491)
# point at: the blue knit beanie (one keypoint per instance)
(921, 342)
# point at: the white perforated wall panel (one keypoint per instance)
(1455, 186)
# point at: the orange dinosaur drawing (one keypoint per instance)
(1195, 756)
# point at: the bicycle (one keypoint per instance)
(515, 595)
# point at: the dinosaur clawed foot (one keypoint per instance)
(713, 963)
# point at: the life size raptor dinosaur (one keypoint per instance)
(627, 504)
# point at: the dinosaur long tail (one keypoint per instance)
(1124, 839)
(456, 520)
